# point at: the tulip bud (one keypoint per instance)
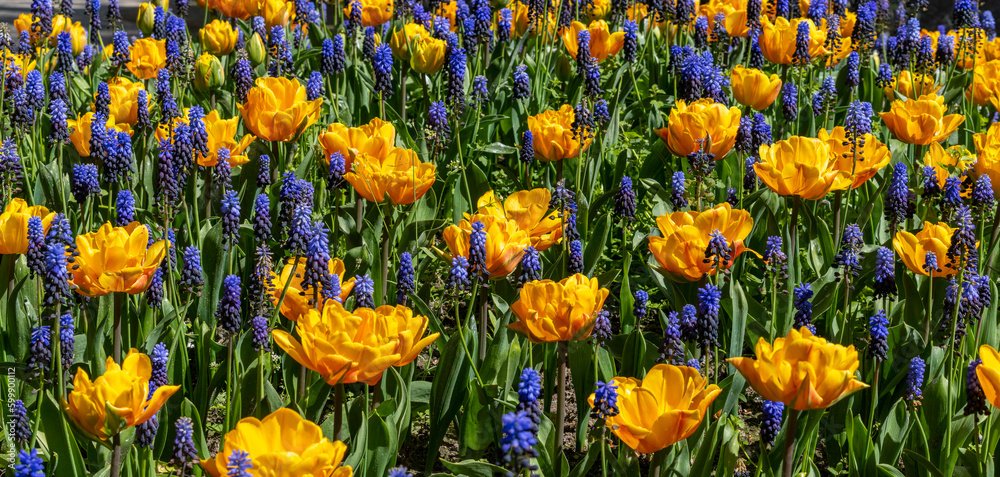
(208, 72)
(160, 3)
(146, 19)
(256, 49)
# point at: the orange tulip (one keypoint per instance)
(989, 374)
(296, 302)
(951, 162)
(124, 106)
(754, 88)
(922, 120)
(734, 14)
(505, 243)
(373, 12)
(680, 250)
(375, 139)
(913, 248)
(553, 137)
(14, 225)
(566, 310)
(603, 43)
(399, 174)
(218, 37)
(277, 110)
(116, 259)
(148, 57)
(530, 211)
(81, 126)
(691, 125)
(801, 167)
(910, 85)
(777, 39)
(988, 150)
(863, 163)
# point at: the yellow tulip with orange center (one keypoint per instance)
(399, 174)
(14, 225)
(663, 408)
(691, 125)
(81, 126)
(802, 371)
(218, 37)
(863, 163)
(117, 399)
(921, 121)
(801, 167)
(777, 39)
(529, 209)
(376, 139)
(505, 242)
(296, 302)
(603, 43)
(282, 444)
(373, 12)
(402, 38)
(951, 162)
(911, 86)
(345, 347)
(988, 151)
(913, 248)
(148, 57)
(566, 310)
(753, 88)
(680, 250)
(116, 259)
(989, 374)
(276, 109)
(552, 135)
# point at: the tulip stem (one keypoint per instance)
(386, 239)
(562, 348)
(117, 327)
(116, 455)
(789, 444)
(483, 322)
(338, 410)
(930, 308)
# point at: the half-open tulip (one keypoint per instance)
(218, 37)
(375, 139)
(399, 174)
(801, 167)
(553, 137)
(603, 43)
(951, 162)
(566, 310)
(529, 209)
(345, 347)
(14, 225)
(985, 85)
(777, 39)
(60, 23)
(116, 259)
(124, 106)
(402, 38)
(221, 134)
(734, 14)
(283, 444)
(116, 400)
(427, 54)
(988, 150)
(277, 110)
(373, 12)
(208, 73)
(296, 303)
(989, 374)
(680, 250)
(522, 21)
(81, 126)
(802, 371)
(911, 86)
(148, 57)
(754, 88)
(691, 125)
(922, 120)
(913, 248)
(505, 242)
(663, 408)
(863, 163)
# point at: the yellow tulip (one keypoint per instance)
(522, 22)
(989, 374)
(566, 310)
(146, 19)
(603, 43)
(974, 52)
(356, 347)
(922, 120)
(663, 408)
(148, 57)
(991, 49)
(734, 13)
(777, 39)
(988, 150)
(60, 23)
(81, 127)
(596, 9)
(986, 84)
(23, 64)
(529, 209)
(375, 139)
(116, 400)
(801, 167)
(753, 88)
(14, 225)
(277, 110)
(691, 124)
(505, 243)
(448, 10)
(124, 106)
(553, 137)
(221, 134)
(427, 54)
(296, 302)
(400, 174)
(402, 38)
(283, 444)
(870, 158)
(913, 248)
(208, 73)
(951, 162)
(680, 250)
(910, 85)
(116, 259)
(802, 371)
(373, 12)
(218, 37)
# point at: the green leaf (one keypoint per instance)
(474, 468)
(60, 440)
(448, 391)
(498, 148)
